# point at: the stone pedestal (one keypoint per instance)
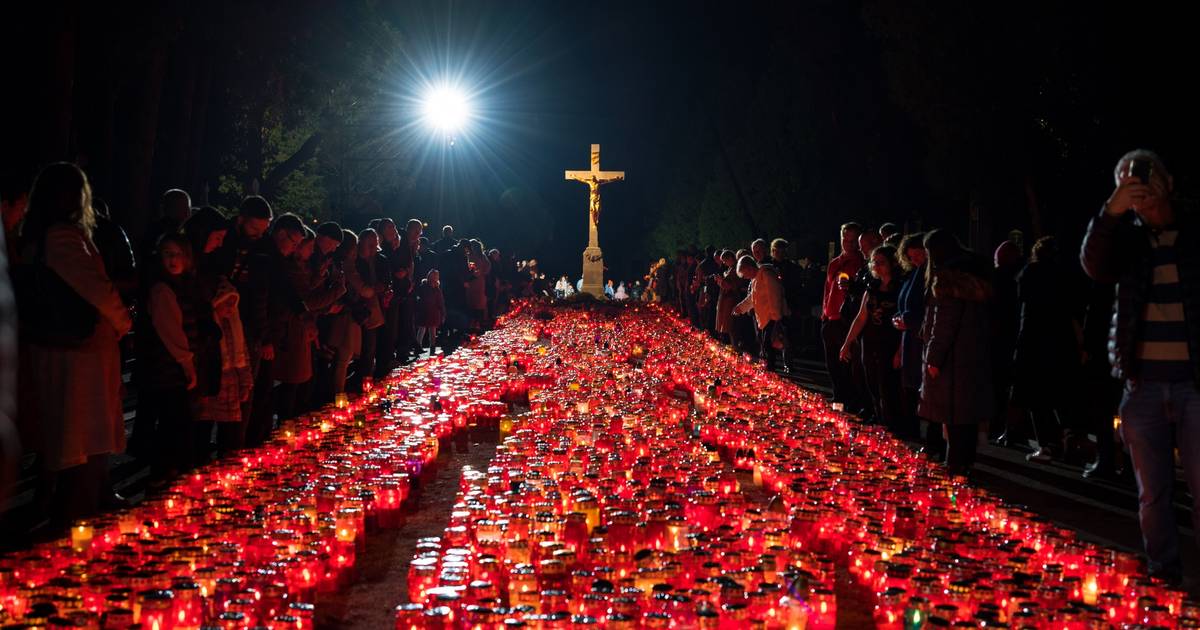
(593, 272)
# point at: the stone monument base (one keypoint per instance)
(593, 272)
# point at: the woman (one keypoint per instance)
(345, 333)
(76, 395)
(1006, 322)
(480, 270)
(910, 312)
(1047, 355)
(956, 385)
(431, 308)
(880, 339)
(369, 270)
(732, 291)
(318, 289)
(205, 230)
(170, 374)
(742, 331)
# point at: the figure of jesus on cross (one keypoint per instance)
(595, 178)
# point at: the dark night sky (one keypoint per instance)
(826, 110)
(634, 77)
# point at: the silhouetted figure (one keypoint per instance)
(880, 341)
(833, 326)
(1148, 247)
(173, 367)
(956, 390)
(72, 318)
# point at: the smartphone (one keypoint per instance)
(1141, 169)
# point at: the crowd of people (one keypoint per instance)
(717, 291)
(916, 328)
(238, 323)
(242, 322)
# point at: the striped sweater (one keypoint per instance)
(1162, 347)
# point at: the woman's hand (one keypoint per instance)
(847, 351)
(898, 322)
(933, 371)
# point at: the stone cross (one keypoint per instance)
(593, 259)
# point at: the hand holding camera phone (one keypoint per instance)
(1133, 189)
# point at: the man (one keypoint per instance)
(397, 262)
(407, 339)
(174, 208)
(766, 300)
(241, 259)
(287, 232)
(792, 277)
(329, 237)
(446, 243)
(889, 233)
(706, 288)
(833, 327)
(116, 252)
(855, 287)
(758, 249)
(1151, 250)
(679, 282)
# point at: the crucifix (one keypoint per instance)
(593, 260)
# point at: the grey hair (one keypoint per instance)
(1140, 154)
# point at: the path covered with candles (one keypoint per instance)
(645, 477)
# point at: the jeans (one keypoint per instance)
(1152, 413)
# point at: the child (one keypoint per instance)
(225, 406)
(431, 308)
(169, 339)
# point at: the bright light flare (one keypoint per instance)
(446, 109)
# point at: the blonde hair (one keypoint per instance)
(61, 194)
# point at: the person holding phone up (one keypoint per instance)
(1151, 250)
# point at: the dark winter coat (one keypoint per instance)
(1046, 349)
(247, 265)
(1117, 250)
(957, 330)
(911, 308)
(317, 291)
(792, 277)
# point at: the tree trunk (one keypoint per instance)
(254, 149)
(305, 153)
(196, 174)
(55, 138)
(181, 143)
(145, 129)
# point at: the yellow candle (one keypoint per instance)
(81, 537)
